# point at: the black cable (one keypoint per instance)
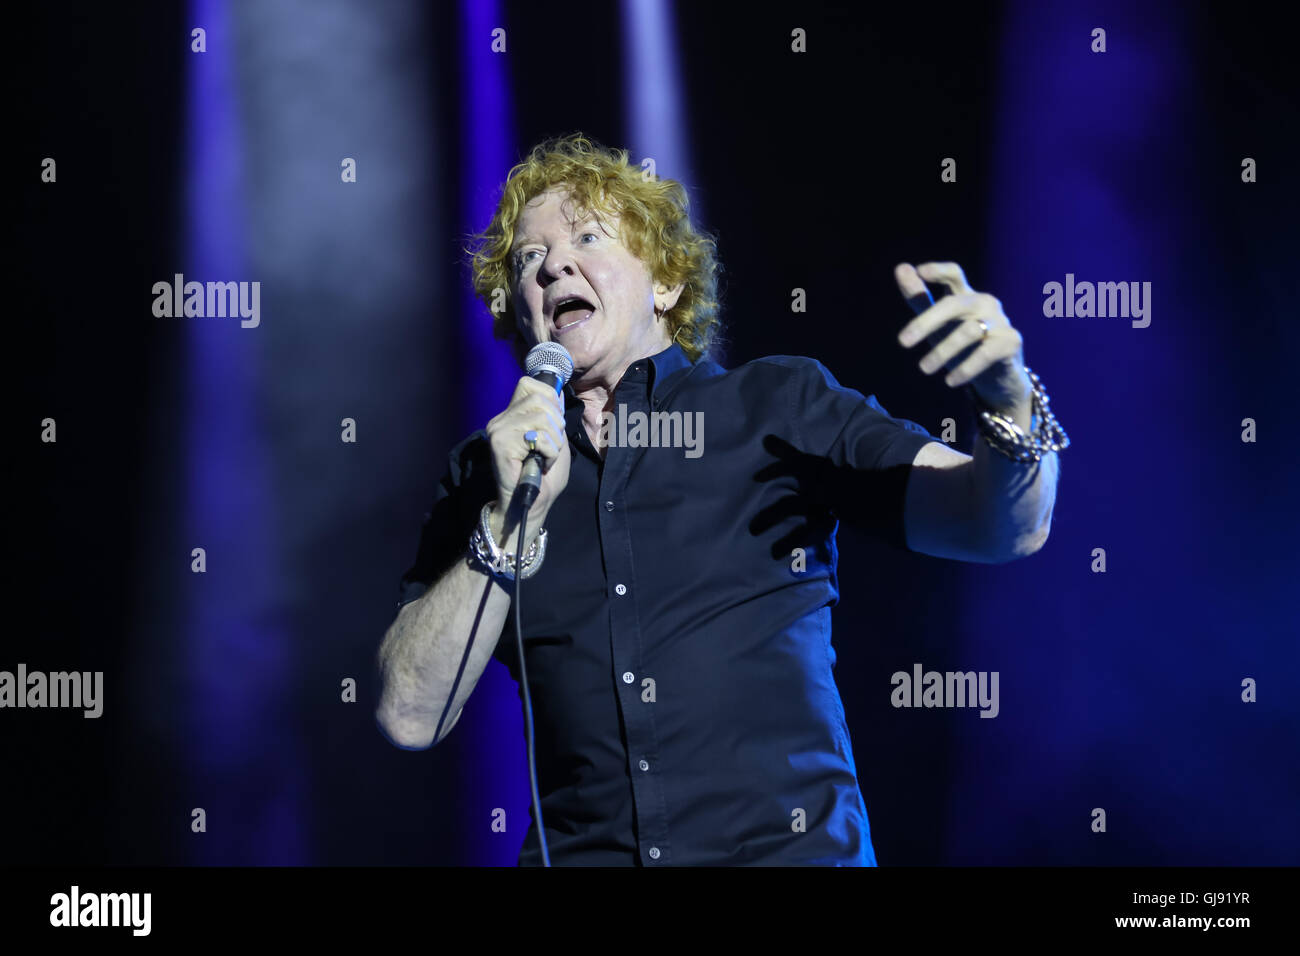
(464, 659)
(523, 683)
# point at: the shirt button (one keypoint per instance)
(644, 765)
(620, 589)
(654, 853)
(627, 677)
(609, 506)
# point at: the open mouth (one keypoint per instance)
(570, 311)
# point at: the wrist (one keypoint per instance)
(497, 519)
(1023, 434)
(1022, 414)
(505, 560)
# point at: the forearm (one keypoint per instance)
(1012, 501)
(423, 648)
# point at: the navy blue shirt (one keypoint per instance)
(678, 634)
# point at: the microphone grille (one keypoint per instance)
(550, 357)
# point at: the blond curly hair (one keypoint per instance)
(654, 224)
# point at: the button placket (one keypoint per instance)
(626, 650)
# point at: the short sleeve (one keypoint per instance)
(465, 487)
(867, 452)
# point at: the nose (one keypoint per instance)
(557, 265)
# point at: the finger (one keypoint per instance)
(913, 287)
(966, 334)
(528, 385)
(947, 274)
(559, 453)
(506, 432)
(548, 443)
(548, 446)
(539, 407)
(529, 395)
(947, 309)
(533, 388)
(525, 386)
(997, 345)
(531, 403)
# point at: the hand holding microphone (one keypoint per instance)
(532, 478)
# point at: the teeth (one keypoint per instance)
(568, 300)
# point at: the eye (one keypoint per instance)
(586, 234)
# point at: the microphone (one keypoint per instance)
(548, 362)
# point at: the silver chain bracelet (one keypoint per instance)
(497, 562)
(1010, 439)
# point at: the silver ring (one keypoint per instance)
(531, 438)
(984, 329)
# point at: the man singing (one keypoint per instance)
(676, 622)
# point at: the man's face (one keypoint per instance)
(555, 257)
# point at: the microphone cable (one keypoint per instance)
(548, 362)
(523, 684)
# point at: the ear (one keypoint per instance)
(666, 296)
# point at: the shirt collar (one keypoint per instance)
(656, 372)
(664, 366)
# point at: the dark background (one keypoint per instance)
(1118, 690)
